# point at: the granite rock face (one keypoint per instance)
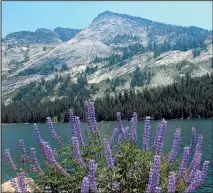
(106, 34)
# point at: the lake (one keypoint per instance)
(12, 133)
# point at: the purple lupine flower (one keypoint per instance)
(134, 122)
(198, 150)
(86, 111)
(160, 140)
(78, 131)
(158, 189)
(37, 133)
(176, 141)
(36, 166)
(14, 185)
(9, 159)
(92, 117)
(184, 162)
(76, 152)
(171, 185)
(108, 154)
(156, 136)
(204, 170)
(120, 139)
(193, 140)
(114, 134)
(23, 150)
(53, 133)
(92, 178)
(72, 122)
(85, 185)
(50, 156)
(154, 174)
(146, 134)
(195, 183)
(21, 182)
(194, 168)
(120, 125)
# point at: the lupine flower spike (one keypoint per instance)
(92, 178)
(9, 159)
(108, 154)
(154, 175)
(36, 167)
(23, 150)
(171, 185)
(85, 185)
(114, 134)
(176, 141)
(76, 152)
(53, 133)
(134, 122)
(146, 134)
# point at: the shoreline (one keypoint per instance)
(109, 121)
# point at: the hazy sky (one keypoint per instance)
(17, 16)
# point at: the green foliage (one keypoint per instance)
(131, 169)
(189, 97)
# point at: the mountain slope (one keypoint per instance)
(41, 36)
(115, 45)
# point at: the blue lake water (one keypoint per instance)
(12, 133)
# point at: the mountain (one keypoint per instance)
(41, 36)
(115, 52)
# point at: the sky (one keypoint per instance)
(29, 16)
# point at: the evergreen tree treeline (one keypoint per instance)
(191, 97)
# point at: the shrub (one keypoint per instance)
(100, 164)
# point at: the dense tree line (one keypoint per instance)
(191, 97)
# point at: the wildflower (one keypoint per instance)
(120, 139)
(114, 134)
(108, 154)
(193, 140)
(158, 189)
(184, 162)
(23, 150)
(154, 174)
(171, 185)
(92, 117)
(21, 182)
(72, 122)
(50, 156)
(37, 133)
(195, 183)
(204, 170)
(85, 185)
(120, 125)
(134, 121)
(146, 134)
(35, 164)
(78, 131)
(76, 152)
(198, 150)
(176, 141)
(92, 178)
(9, 159)
(159, 141)
(52, 131)
(195, 167)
